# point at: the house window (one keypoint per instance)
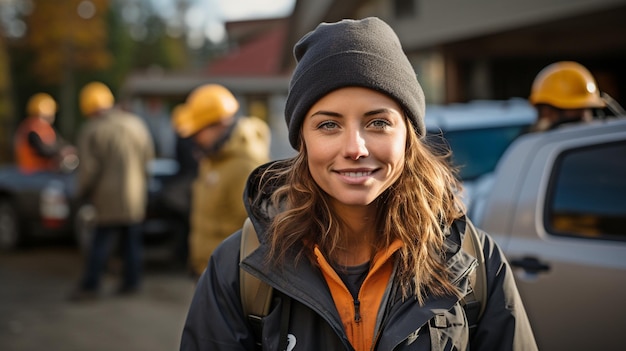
(587, 192)
(404, 8)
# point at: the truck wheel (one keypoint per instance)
(9, 226)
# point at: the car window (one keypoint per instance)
(477, 151)
(587, 193)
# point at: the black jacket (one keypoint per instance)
(216, 320)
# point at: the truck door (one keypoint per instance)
(568, 244)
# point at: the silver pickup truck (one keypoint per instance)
(556, 204)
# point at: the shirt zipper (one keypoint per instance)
(357, 311)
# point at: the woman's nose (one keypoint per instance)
(356, 145)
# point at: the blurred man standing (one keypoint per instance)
(564, 92)
(114, 148)
(231, 147)
(38, 147)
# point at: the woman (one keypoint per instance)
(361, 231)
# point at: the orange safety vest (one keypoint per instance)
(28, 160)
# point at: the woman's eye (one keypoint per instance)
(327, 125)
(380, 123)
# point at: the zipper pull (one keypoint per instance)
(357, 311)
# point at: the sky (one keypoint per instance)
(231, 10)
(205, 18)
(245, 9)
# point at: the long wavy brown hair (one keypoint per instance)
(416, 209)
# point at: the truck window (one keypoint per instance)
(476, 151)
(587, 193)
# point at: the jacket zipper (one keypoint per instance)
(357, 311)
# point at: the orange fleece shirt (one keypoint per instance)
(359, 317)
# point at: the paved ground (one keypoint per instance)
(35, 313)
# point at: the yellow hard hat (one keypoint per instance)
(95, 96)
(205, 105)
(566, 85)
(41, 104)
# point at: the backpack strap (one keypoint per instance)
(256, 296)
(474, 302)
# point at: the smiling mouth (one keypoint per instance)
(356, 174)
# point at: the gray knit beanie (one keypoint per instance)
(365, 53)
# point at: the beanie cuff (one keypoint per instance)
(358, 69)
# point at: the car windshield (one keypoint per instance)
(477, 151)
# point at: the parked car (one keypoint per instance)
(34, 206)
(43, 205)
(556, 204)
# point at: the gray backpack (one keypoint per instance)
(256, 296)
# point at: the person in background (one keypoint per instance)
(361, 232)
(115, 148)
(564, 92)
(38, 146)
(231, 147)
(175, 197)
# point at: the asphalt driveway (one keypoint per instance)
(35, 313)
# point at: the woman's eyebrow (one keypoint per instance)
(336, 114)
(378, 111)
(326, 113)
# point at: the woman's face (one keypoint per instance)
(355, 140)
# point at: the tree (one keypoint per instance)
(6, 107)
(65, 37)
(68, 35)
(68, 43)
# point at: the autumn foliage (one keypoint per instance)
(68, 35)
